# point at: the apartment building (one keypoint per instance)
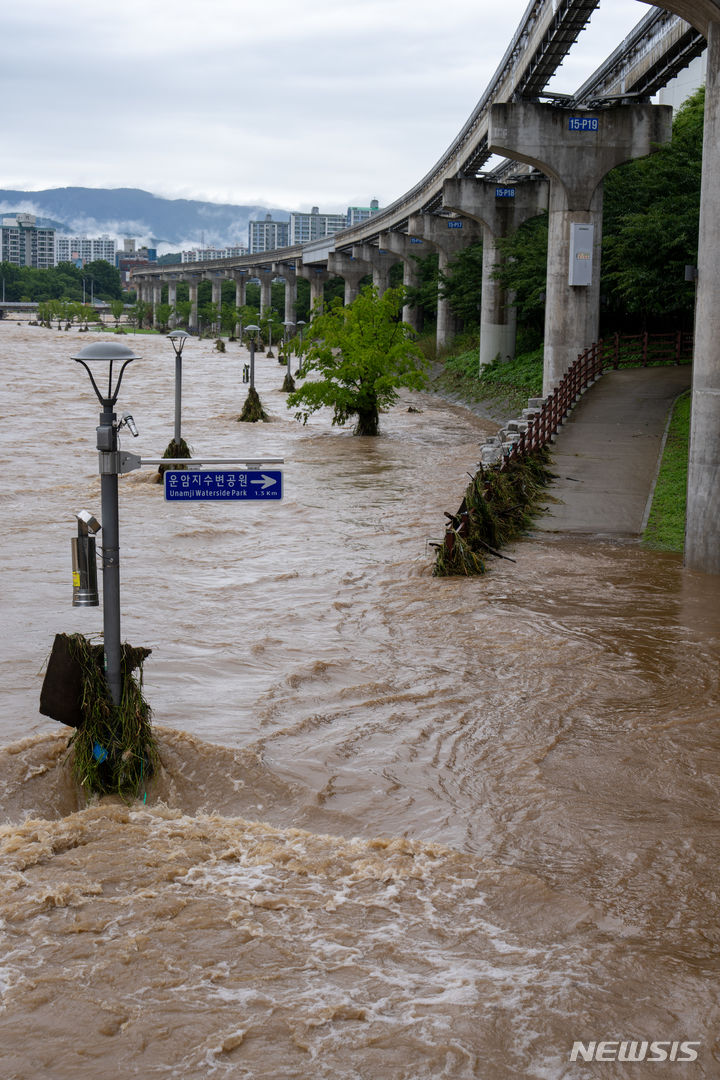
(314, 226)
(356, 214)
(206, 254)
(267, 235)
(24, 243)
(83, 249)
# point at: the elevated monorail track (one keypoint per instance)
(658, 48)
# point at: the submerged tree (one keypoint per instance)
(362, 354)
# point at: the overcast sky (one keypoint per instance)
(289, 103)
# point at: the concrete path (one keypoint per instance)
(607, 453)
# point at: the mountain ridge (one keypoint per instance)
(139, 214)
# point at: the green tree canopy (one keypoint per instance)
(651, 216)
(362, 354)
(462, 282)
(424, 294)
(108, 285)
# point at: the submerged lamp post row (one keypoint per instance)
(109, 361)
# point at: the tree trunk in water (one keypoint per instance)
(368, 421)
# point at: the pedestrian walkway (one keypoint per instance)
(607, 453)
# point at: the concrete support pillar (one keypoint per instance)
(351, 270)
(216, 283)
(317, 276)
(405, 247)
(193, 297)
(381, 261)
(172, 300)
(287, 272)
(317, 285)
(500, 210)
(498, 317)
(702, 536)
(265, 290)
(240, 283)
(156, 299)
(447, 324)
(448, 236)
(575, 149)
(290, 297)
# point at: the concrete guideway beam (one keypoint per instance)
(448, 236)
(500, 209)
(575, 149)
(351, 270)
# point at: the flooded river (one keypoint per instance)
(405, 827)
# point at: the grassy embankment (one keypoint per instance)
(508, 385)
(666, 524)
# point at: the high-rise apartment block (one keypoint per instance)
(356, 214)
(83, 249)
(314, 226)
(206, 254)
(302, 228)
(267, 235)
(24, 243)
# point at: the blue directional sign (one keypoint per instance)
(212, 485)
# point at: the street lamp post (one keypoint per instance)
(253, 330)
(288, 324)
(110, 354)
(300, 324)
(178, 339)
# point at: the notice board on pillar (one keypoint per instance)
(581, 254)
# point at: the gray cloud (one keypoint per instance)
(290, 104)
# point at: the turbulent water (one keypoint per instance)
(405, 827)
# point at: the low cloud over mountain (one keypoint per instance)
(163, 223)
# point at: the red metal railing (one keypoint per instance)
(645, 349)
(546, 422)
(617, 352)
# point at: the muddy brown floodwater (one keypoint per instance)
(405, 827)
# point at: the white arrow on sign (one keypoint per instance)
(266, 481)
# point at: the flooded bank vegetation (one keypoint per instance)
(498, 507)
(113, 750)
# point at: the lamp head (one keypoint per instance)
(104, 355)
(178, 339)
